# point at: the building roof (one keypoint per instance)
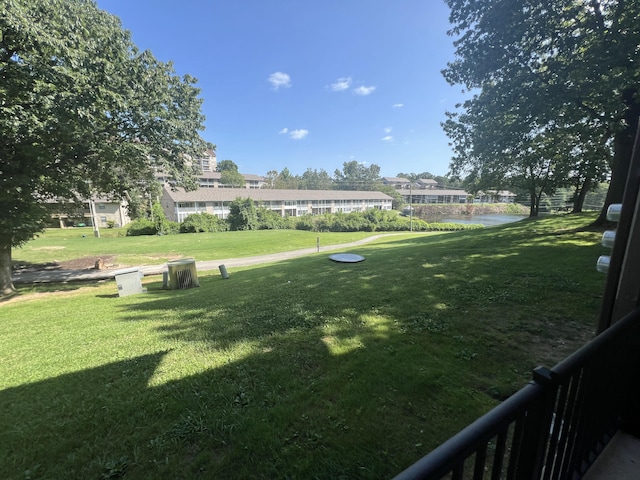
(435, 192)
(270, 195)
(251, 176)
(499, 193)
(217, 175)
(395, 180)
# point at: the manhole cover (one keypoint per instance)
(346, 257)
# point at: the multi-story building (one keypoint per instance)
(212, 180)
(104, 211)
(178, 204)
(427, 190)
(208, 162)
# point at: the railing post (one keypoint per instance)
(529, 461)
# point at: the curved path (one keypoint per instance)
(58, 275)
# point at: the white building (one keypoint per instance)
(178, 204)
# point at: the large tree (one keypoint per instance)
(82, 112)
(315, 180)
(283, 180)
(357, 176)
(545, 67)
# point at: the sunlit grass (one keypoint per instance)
(302, 368)
(67, 244)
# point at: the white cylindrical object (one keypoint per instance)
(223, 271)
(608, 238)
(602, 265)
(613, 212)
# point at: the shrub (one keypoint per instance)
(141, 226)
(243, 215)
(272, 220)
(162, 223)
(170, 228)
(306, 222)
(324, 223)
(202, 222)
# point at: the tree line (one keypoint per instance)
(555, 95)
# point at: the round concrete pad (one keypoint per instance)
(346, 258)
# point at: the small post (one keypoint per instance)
(411, 206)
(318, 243)
(223, 271)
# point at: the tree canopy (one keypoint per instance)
(229, 178)
(227, 166)
(357, 176)
(555, 89)
(83, 112)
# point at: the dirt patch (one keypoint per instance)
(84, 263)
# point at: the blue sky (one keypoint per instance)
(310, 84)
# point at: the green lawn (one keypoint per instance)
(298, 369)
(66, 244)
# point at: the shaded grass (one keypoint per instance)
(300, 369)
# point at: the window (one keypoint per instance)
(101, 206)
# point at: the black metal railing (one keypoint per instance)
(556, 425)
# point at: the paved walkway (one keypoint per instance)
(59, 275)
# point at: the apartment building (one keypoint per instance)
(178, 204)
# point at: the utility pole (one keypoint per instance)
(92, 210)
(411, 205)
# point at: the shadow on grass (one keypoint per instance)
(286, 412)
(26, 291)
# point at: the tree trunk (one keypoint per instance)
(578, 198)
(6, 285)
(623, 148)
(533, 210)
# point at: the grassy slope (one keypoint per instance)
(292, 370)
(60, 245)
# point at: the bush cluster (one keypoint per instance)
(373, 221)
(203, 222)
(141, 226)
(244, 215)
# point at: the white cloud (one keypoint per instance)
(388, 138)
(398, 105)
(388, 130)
(284, 130)
(298, 134)
(340, 84)
(363, 91)
(279, 79)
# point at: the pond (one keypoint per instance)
(488, 220)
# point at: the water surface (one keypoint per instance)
(489, 220)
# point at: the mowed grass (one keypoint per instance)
(298, 369)
(57, 245)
